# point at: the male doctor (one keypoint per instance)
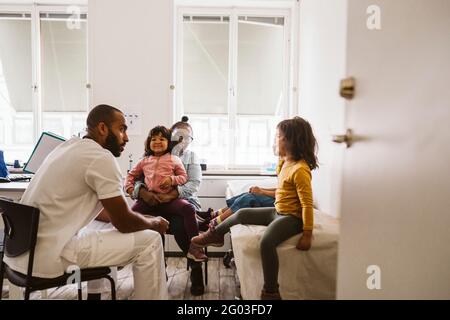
(77, 180)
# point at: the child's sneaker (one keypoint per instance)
(214, 223)
(215, 214)
(196, 253)
(204, 215)
(203, 226)
(209, 238)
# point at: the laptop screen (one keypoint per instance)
(46, 143)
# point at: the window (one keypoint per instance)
(64, 73)
(16, 107)
(43, 75)
(233, 71)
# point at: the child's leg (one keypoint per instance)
(225, 214)
(176, 228)
(245, 200)
(264, 201)
(215, 235)
(258, 216)
(184, 209)
(217, 213)
(282, 228)
(142, 207)
(205, 215)
(229, 202)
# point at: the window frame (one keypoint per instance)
(289, 11)
(35, 11)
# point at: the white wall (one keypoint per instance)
(130, 61)
(131, 58)
(323, 30)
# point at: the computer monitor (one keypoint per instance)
(46, 143)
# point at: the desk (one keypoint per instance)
(13, 190)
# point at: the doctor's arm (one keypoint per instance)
(127, 221)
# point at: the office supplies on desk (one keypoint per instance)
(18, 177)
(3, 180)
(17, 164)
(3, 169)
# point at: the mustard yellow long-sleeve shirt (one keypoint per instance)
(294, 192)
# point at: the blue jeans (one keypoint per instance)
(250, 200)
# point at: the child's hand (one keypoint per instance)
(166, 183)
(255, 190)
(149, 197)
(304, 243)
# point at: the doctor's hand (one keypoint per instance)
(158, 224)
(304, 243)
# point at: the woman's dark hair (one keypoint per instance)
(183, 124)
(300, 140)
(158, 130)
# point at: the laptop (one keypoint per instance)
(46, 144)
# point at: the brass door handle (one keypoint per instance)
(345, 138)
(347, 88)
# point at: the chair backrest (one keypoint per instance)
(21, 226)
(2, 238)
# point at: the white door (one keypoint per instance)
(396, 183)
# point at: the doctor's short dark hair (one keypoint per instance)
(101, 113)
(158, 130)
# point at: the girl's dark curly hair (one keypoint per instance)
(166, 133)
(300, 140)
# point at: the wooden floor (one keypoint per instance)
(223, 284)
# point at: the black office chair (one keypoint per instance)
(21, 226)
